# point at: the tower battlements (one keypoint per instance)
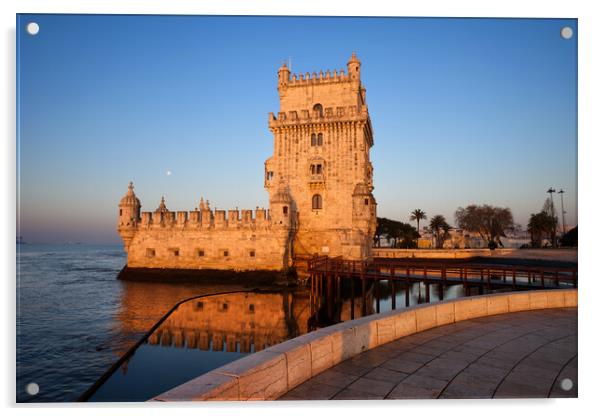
(329, 114)
(204, 219)
(298, 80)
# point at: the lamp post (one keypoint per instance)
(551, 191)
(563, 211)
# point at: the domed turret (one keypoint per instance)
(283, 77)
(361, 189)
(364, 208)
(281, 196)
(129, 215)
(281, 204)
(353, 67)
(129, 199)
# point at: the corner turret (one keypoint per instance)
(129, 216)
(281, 205)
(283, 78)
(364, 208)
(353, 68)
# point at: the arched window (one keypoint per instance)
(316, 202)
(318, 108)
(313, 139)
(320, 139)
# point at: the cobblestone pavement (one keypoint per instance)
(517, 355)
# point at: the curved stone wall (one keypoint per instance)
(268, 374)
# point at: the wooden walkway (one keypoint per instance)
(329, 278)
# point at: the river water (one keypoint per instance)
(75, 320)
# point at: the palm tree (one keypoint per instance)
(418, 215)
(440, 228)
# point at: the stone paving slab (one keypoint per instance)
(530, 354)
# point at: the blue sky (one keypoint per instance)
(464, 111)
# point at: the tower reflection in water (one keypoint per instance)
(199, 336)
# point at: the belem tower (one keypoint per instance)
(319, 181)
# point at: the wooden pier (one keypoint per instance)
(328, 277)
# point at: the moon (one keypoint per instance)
(168, 173)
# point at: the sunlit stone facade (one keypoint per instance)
(319, 179)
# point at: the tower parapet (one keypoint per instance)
(206, 219)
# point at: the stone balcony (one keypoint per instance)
(317, 178)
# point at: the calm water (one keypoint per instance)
(75, 319)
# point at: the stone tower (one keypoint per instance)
(322, 140)
(129, 216)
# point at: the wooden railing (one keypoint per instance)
(326, 276)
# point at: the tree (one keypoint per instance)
(402, 234)
(548, 208)
(381, 230)
(418, 215)
(440, 228)
(491, 223)
(570, 238)
(541, 225)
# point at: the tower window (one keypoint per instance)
(285, 210)
(226, 254)
(252, 253)
(366, 201)
(201, 253)
(316, 202)
(120, 212)
(319, 109)
(317, 139)
(318, 169)
(150, 252)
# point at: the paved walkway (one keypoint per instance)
(523, 354)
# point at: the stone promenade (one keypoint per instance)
(529, 354)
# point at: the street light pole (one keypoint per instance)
(563, 211)
(551, 191)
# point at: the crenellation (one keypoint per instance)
(194, 218)
(220, 218)
(182, 218)
(146, 219)
(233, 218)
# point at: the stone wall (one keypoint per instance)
(270, 373)
(239, 249)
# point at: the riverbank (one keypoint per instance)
(545, 254)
